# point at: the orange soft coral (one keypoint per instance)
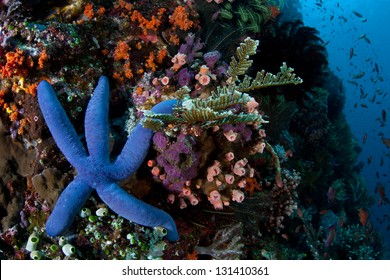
(127, 70)
(88, 11)
(23, 126)
(32, 89)
(2, 94)
(174, 39)
(150, 62)
(179, 19)
(13, 113)
(117, 76)
(251, 185)
(17, 64)
(101, 11)
(125, 5)
(121, 51)
(162, 53)
(42, 59)
(147, 25)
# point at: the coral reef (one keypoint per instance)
(234, 118)
(241, 164)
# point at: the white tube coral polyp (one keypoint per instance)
(161, 231)
(32, 242)
(69, 250)
(101, 212)
(36, 255)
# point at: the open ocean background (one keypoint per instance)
(343, 30)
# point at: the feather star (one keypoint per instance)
(94, 169)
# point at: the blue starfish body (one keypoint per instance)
(95, 171)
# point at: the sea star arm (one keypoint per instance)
(60, 126)
(137, 145)
(68, 205)
(96, 122)
(136, 210)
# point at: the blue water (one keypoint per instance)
(342, 28)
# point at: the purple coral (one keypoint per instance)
(160, 141)
(180, 163)
(184, 77)
(211, 58)
(191, 48)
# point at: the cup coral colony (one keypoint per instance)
(200, 140)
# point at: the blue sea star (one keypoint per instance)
(94, 169)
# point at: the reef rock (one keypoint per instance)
(15, 165)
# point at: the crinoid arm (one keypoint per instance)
(240, 66)
(265, 79)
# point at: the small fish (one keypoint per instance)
(362, 36)
(363, 19)
(353, 82)
(354, 106)
(343, 18)
(362, 93)
(364, 138)
(367, 40)
(369, 160)
(359, 15)
(380, 189)
(386, 141)
(380, 78)
(384, 115)
(381, 162)
(359, 75)
(331, 17)
(323, 212)
(363, 216)
(372, 100)
(351, 53)
(376, 68)
(364, 105)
